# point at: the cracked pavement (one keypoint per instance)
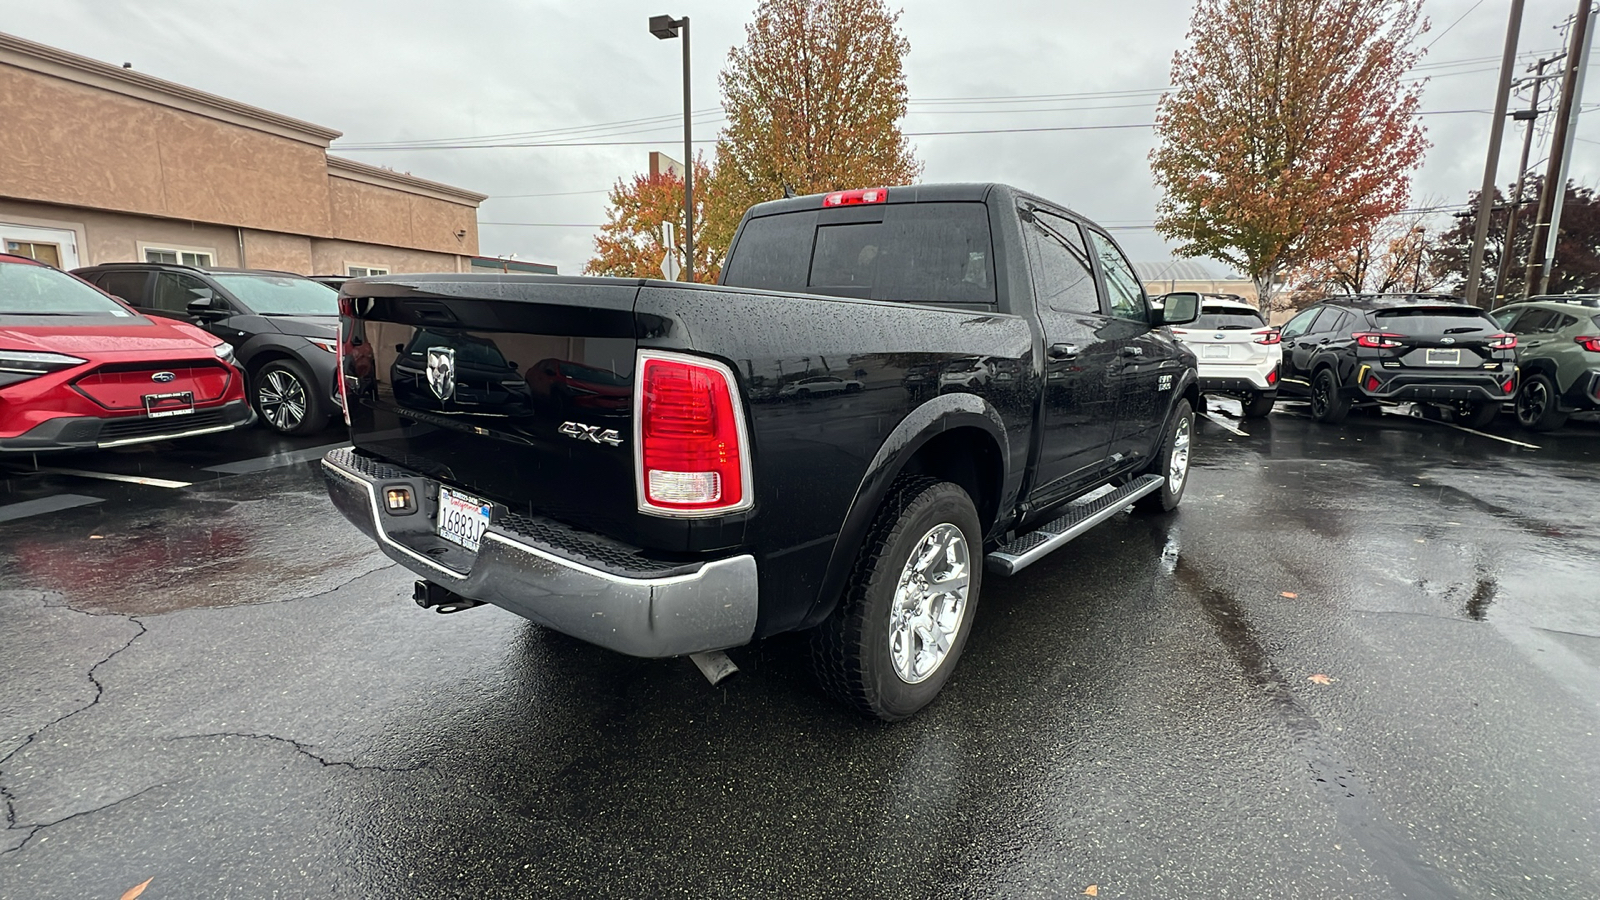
(230, 692)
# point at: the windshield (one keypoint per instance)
(281, 295)
(1227, 318)
(27, 290)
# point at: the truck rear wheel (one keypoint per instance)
(907, 609)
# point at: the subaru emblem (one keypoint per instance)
(442, 371)
(1448, 340)
(163, 377)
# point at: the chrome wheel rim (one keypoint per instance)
(282, 399)
(1532, 403)
(1178, 463)
(930, 601)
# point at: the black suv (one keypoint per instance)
(1368, 350)
(284, 328)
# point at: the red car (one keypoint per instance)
(80, 370)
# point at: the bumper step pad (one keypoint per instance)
(1078, 518)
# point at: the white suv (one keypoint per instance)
(1237, 353)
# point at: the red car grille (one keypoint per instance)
(125, 386)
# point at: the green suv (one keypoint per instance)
(1559, 337)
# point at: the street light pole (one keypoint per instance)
(1496, 130)
(666, 28)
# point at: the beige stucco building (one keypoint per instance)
(104, 164)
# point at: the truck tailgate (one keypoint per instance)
(515, 389)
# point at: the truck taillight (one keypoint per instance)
(1590, 342)
(1377, 339)
(692, 455)
(1503, 341)
(853, 198)
(1269, 336)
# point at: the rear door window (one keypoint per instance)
(130, 286)
(1301, 323)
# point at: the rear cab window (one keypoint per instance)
(939, 253)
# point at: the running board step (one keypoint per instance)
(1078, 518)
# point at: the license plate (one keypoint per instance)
(1438, 357)
(160, 406)
(1213, 351)
(462, 519)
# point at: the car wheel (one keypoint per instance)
(1259, 404)
(285, 397)
(907, 609)
(1537, 409)
(1327, 404)
(1171, 462)
(1477, 413)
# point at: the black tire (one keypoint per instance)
(1171, 462)
(286, 398)
(851, 650)
(1537, 406)
(1477, 413)
(1327, 403)
(1259, 404)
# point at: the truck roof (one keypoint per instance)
(956, 192)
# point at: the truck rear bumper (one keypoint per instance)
(600, 593)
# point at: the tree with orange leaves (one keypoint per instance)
(814, 101)
(1291, 131)
(630, 244)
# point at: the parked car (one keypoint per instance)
(1559, 357)
(817, 385)
(1373, 349)
(81, 370)
(1239, 354)
(284, 328)
(700, 521)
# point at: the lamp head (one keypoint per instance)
(664, 27)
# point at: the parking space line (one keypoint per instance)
(13, 511)
(1493, 437)
(109, 476)
(1224, 424)
(275, 461)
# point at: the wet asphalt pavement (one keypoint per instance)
(1357, 662)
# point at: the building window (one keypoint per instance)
(179, 257)
(36, 250)
(355, 271)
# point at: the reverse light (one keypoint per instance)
(399, 500)
(692, 453)
(1502, 341)
(1269, 336)
(1590, 342)
(1377, 339)
(856, 198)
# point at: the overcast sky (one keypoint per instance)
(409, 70)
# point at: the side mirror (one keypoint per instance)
(1178, 308)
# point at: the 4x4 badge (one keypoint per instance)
(591, 433)
(442, 371)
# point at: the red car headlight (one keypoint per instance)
(21, 365)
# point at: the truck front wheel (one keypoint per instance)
(907, 609)
(1171, 463)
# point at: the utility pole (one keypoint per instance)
(1529, 115)
(1546, 227)
(1502, 98)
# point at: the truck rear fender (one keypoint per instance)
(956, 437)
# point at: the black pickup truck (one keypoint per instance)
(890, 391)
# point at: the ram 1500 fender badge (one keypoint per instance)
(591, 433)
(1164, 383)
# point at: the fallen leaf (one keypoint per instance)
(1290, 594)
(1092, 890)
(97, 537)
(1319, 678)
(137, 889)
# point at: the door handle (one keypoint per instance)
(1134, 352)
(1063, 351)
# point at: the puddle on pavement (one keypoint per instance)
(258, 539)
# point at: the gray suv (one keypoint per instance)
(284, 328)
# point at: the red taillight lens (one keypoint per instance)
(853, 198)
(1502, 341)
(1377, 339)
(340, 356)
(1269, 336)
(693, 454)
(1590, 342)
